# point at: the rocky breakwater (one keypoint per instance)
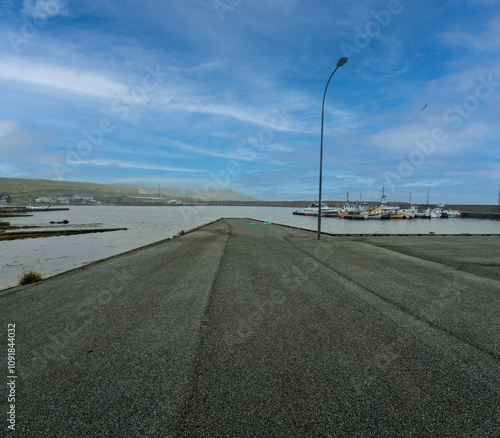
(479, 215)
(30, 232)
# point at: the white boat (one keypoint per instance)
(313, 210)
(409, 213)
(433, 213)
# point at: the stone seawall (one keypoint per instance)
(476, 215)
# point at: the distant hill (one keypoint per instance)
(20, 190)
(199, 194)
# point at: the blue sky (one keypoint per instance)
(210, 95)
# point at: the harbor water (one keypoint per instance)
(53, 255)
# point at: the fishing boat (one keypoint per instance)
(433, 213)
(422, 215)
(397, 215)
(388, 211)
(313, 210)
(409, 213)
(354, 211)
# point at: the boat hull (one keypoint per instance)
(397, 216)
(354, 216)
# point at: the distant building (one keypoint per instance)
(75, 199)
(64, 200)
(44, 199)
(5, 199)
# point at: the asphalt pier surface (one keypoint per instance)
(247, 329)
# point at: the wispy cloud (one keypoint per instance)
(204, 151)
(38, 9)
(10, 171)
(486, 40)
(7, 127)
(161, 179)
(130, 165)
(70, 80)
(16, 139)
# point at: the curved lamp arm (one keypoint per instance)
(340, 63)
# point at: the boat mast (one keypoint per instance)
(428, 197)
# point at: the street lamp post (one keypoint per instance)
(340, 63)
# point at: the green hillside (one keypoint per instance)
(20, 191)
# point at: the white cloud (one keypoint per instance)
(204, 151)
(128, 165)
(15, 138)
(71, 80)
(7, 127)
(179, 182)
(40, 9)
(255, 116)
(10, 171)
(485, 41)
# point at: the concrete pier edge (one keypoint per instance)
(139, 248)
(373, 234)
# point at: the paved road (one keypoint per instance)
(242, 329)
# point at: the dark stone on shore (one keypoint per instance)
(4, 224)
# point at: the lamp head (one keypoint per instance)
(342, 61)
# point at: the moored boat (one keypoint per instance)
(313, 210)
(387, 211)
(354, 211)
(397, 215)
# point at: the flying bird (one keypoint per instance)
(424, 107)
